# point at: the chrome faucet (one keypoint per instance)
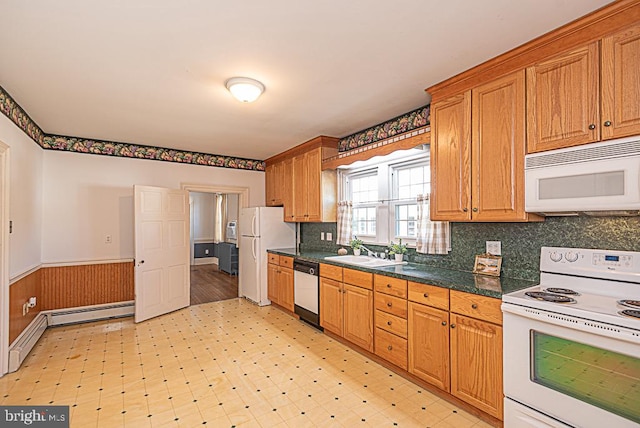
(369, 252)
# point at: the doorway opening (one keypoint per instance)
(214, 211)
(4, 258)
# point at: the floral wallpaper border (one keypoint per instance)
(398, 125)
(17, 115)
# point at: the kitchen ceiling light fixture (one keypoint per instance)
(245, 89)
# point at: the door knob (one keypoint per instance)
(592, 127)
(474, 306)
(453, 326)
(426, 294)
(388, 322)
(465, 209)
(475, 210)
(389, 347)
(607, 123)
(444, 323)
(389, 304)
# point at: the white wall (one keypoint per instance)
(203, 215)
(25, 198)
(87, 197)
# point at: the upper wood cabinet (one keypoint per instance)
(586, 95)
(562, 100)
(477, 153)
(295, 179)
(451, 158)
(275, 178)
(621, 83)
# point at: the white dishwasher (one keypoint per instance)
(306, 291)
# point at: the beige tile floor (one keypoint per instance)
(221, 364)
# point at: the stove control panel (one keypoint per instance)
(613, 260)
(611, 264)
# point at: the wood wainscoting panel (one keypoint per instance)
(19, 293)
(85, 285)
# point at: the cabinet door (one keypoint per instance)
(450, 158)
(270, 185)
(272, 282)
(562, 101)
(429, 344)
(621, 84)
(314, 186)
(331, 305)
(498, 149)
(300, 188)
(358, 316)
(287, 191)
(285, 288)
(476, 363)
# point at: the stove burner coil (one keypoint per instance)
(635, 304)
(561, 291)
(549, 297)
(630, 313)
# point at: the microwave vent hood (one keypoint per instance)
(587, 153)
(600, 179)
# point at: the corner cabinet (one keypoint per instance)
(477, 153)
(295, 180)
(586, 95)
(280, 281)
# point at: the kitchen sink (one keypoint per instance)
(364, 261)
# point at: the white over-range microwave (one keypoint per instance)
(598, 178)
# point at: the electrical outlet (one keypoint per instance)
(107, 239)
(322, 236)
(329, 236)
(494, 247)
(206, 251)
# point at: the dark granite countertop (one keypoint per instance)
(453, 279)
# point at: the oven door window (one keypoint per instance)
(602, 378)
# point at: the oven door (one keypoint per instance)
(582, 373)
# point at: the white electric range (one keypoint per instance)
(572, 343)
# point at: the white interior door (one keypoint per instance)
(161, 251)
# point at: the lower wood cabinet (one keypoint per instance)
(346, 307)
(476, 363)
(429, 344)
(280, 281)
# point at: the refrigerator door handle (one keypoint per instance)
(253, 226)
(253, 248)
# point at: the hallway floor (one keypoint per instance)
(222, 364)
(210, 284)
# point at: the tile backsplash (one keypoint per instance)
(521, 242)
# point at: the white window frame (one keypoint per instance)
(387, 193)
(395, 197)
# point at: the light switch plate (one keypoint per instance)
(329, 236)
(322, 236)
(494, 247)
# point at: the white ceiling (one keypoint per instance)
(153, 71)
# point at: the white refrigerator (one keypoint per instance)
(260, 228)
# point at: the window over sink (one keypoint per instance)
(383, 192)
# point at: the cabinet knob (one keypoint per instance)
(388, 285)
(388, 322)
(444, 323)
(426, 294)
(389, 347)
(607, 123)
(474, 306)
(475, 210)
(592, 127)
(389, 304)
(453, 326)
(465, 209)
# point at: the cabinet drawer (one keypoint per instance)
(331, 272)
(357, 278)
(431, 295)
(391, 347)
(391, 323)
(391, 305)
(475, 306)
(286, 261)
(388, 285)
(274, 258)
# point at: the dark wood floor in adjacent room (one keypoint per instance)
(209, 284)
